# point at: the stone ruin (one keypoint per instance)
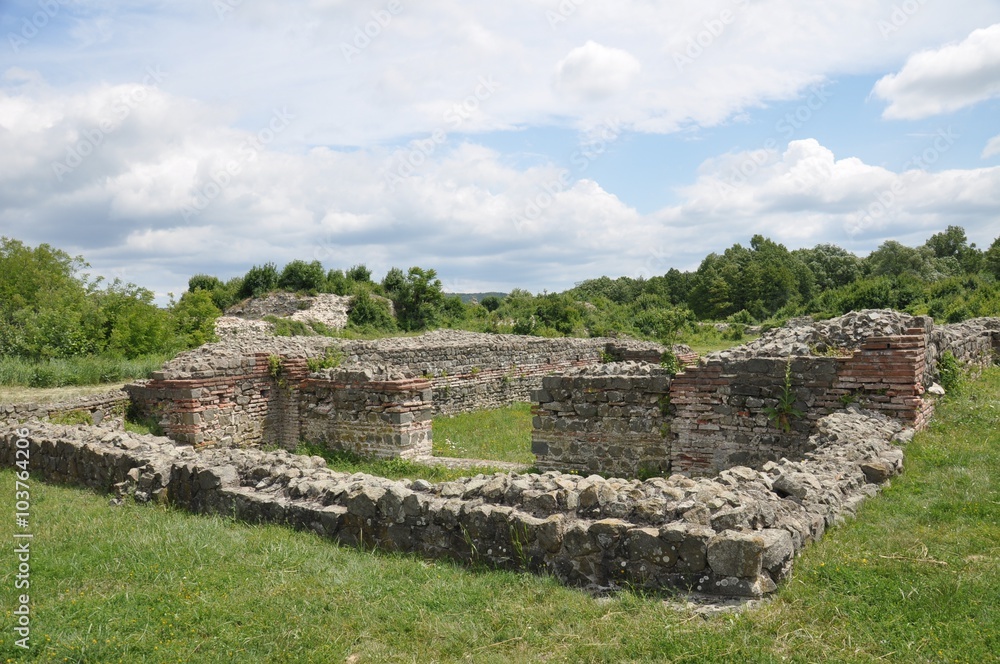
(738, 492)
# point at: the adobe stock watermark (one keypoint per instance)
(877, 210)
(93, 138)
(712, 29)
(22, 538)
(248, 150)
(599, 142)
(562, 12)
(32, 26)
(899, 16)
(421, 150)
(785, 129)
(371, 30)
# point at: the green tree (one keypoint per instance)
(893, 259)
(259, 280)
(299, 275)
(418, 301)
(359, 274)
(831, 266)
(194, 317)
(991, 259)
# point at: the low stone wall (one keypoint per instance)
(735, 535)
(98, 407)
(609, 418)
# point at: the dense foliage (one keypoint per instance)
(51, 309)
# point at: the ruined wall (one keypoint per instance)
(247, 390)
(354, 412)
(732, 409)
(735, 535)
(472, 371)
(238, 400)
(605, 419)
(98, 406)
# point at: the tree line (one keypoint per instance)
(51, 308)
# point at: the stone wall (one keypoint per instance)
(734, 408)
(353, 411)
(98, 407)
(735, 535)
(230, 393)
(607, 419)
(472, 371)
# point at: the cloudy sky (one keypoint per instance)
(523, 143)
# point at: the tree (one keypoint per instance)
(393, 281)
(491, 302)
(194, 317)
(301, 276)
(991, 259)
(336, 282)
(831, 266)
(359, 274)
(259, 280)
(952, 246)
(893, 259)
(418, 300)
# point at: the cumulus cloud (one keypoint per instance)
(992, 147)
(946, 79)
(196, 195)
(805, 195)
(594, 72)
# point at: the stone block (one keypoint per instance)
(733, 553)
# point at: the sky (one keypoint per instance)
(523, 143)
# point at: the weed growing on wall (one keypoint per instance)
(950, 372)
(781, 414)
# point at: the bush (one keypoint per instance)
(370, 313)
(359, 274)
(259, 280)
(301, 276)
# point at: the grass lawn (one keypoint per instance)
(916, 578)
(503, 434)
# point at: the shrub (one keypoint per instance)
(259, 280)
(370, 312)
(301, 276)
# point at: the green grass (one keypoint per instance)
(706, 339)
(914, 579)
(503, 434)
(87, 370)
(395, 469)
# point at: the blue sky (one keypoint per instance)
(530, 143)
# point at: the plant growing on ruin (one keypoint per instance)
(72, 417)
(781, 413)
(332, 357)
(669, 361)
(949, 371)
(274, 365)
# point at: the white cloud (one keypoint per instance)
(594, 72)
(806, 195)
(992, 147)
(946, 79)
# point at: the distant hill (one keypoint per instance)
(468, 297)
